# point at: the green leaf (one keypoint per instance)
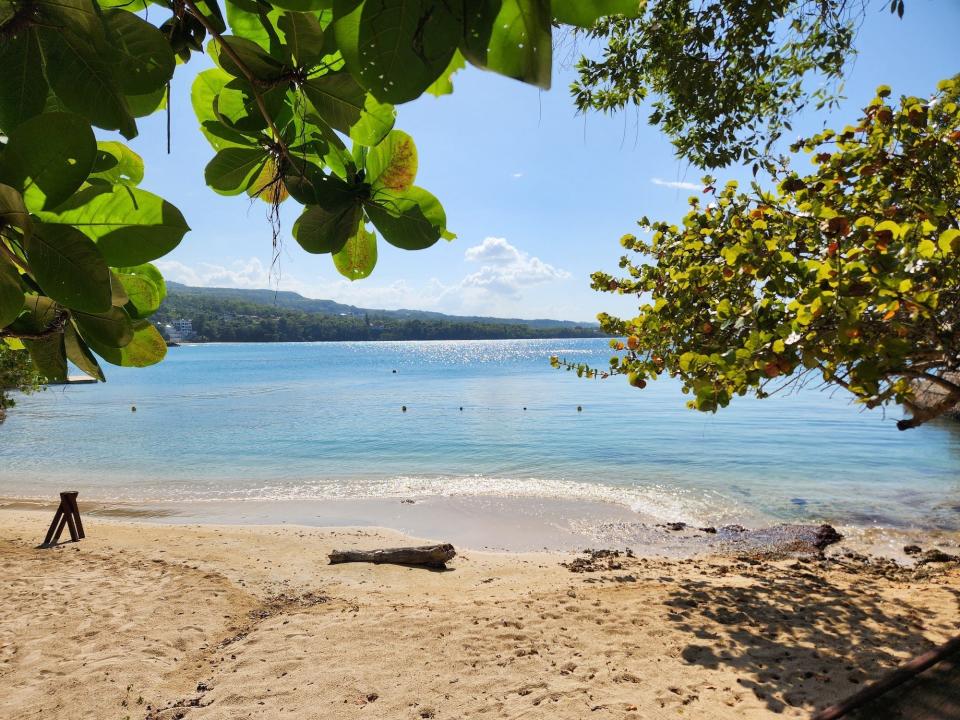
(117, 164)
(233, 170)
(510, 37)
(949, 241)
(49, 357)
(396, 48)
(79, 353)
(304, 36)
(327, 225)
(393, 163)
(80, 74)
(927, 248)
(143, 105)
(12, 210)
(358, 256)
(146, 61)
(145, 289)
(130, 226)
(48, 157)
(585, 13)
(69, 268)
(23, 91)
(412, 220)
(303, 6)
(205, 90)
(146, 347)
(337, 99)
(254, 57)
(443, 85)
(257, 22)
(11, 294)
(375, 122)
(112, 329)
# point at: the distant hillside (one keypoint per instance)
(295, 301)
(234, 315)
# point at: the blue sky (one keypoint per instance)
(538, 195)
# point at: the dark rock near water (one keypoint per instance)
(708, 530)
(826, 535)
(676, 526)
(912, 549)
(779, 540)
(937, 556)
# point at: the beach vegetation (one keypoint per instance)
(300, 107)
(846, 274)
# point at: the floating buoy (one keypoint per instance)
(461, 408)
(524, 407)
(404, 408)
(133, 408)
(579, 408)
(394, 372)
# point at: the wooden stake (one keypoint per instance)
(68, 514)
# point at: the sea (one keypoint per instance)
(316, 421)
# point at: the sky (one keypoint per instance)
(537, 194)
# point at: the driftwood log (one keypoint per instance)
(435, 556)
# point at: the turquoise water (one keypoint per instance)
(280, 421)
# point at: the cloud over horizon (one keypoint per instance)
(495, 288)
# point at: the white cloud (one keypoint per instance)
(504, 274)
(507, 270)
(516, 175)
(241, 274)
(676, 184)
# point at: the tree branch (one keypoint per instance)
(247, 73)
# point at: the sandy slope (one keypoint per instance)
(151, 621)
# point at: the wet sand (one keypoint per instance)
(156, 620)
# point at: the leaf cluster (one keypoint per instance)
(721, 78)
(301, 105)
(848, 273)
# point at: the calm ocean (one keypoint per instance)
(286, 421)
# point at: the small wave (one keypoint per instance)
(653, 502)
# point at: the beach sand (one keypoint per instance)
(146, 620)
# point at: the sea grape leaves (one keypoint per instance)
(358, 256)
(48, 157)
(68, 267)
(130, 226)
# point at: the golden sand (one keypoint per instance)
(144, 620)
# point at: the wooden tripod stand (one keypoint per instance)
(67, 514)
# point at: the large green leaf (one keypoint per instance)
(12, 210)
(358, 256)
(11, 294)
(146, 61)
(48, 157)
(443, 85)
(79, 353)
(112, 329)
(49, 357)
(510, 37)
(375, 122)
(396, 48)
(233, 170)
(23, 89)
(257, 22)
(326, 228)
(585, 13)
(146, 347)
(303, 6)
(117, 164)
(130, 226)
(304, 36)
(206, 88)
(145, 289)
(257, 60)
(412, 220)
(81, 75)
(393, 163)
(68, 267)
(336, 98)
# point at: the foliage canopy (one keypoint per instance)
(300, 105)
(849, 273)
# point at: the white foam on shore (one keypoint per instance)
(653, 502)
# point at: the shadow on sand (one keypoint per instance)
(793, 635)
